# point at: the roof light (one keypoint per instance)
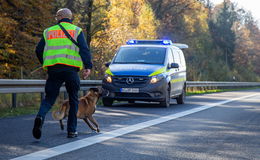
(150, 42)
(166, 42)
(131, 41)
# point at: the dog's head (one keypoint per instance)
(95, 92)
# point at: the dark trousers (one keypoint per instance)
(52, 89)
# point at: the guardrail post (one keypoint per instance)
(84, 92)
(14, 104)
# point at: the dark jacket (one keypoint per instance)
(83, 51)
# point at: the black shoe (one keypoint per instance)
(37, 129)
(72, 134)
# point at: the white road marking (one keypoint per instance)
(68, 147)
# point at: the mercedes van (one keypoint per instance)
(146, 70)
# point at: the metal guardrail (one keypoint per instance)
(34, 86)
(15, 86)
(221, 84)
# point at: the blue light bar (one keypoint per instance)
(150, 42)
(131, 41)
(167, 42)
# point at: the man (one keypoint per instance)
(62, 59)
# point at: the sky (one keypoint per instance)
(250, 5)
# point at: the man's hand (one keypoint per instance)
(86, 73)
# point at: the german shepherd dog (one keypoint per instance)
(87, 107)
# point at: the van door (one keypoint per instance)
(173, 73)
(182, 70)
(178, 80)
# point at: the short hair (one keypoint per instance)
(64, 13)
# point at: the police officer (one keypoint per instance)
(62, 59)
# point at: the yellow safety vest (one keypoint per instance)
(59, 49)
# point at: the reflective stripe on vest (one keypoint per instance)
(71, 47)
(63, 56)
(59, 49)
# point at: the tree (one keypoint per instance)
(170, 14)
(247, 47)
(88, 14)
(221, 30)
(125, 20)
(187, 22)
(223, 40)
(21, 26)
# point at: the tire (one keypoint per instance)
(166, 102)
(181, 98)
(107, 102)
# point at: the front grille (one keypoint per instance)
(137, 80)
(125, 95)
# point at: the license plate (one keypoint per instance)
(129, 90)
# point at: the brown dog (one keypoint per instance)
(87, 107)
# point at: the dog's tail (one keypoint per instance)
(60, 113)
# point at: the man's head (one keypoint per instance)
(63, 13)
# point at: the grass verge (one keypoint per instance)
(12, 112)
(189, 93)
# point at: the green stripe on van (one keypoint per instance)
(159, 71)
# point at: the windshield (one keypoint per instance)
(146, 55)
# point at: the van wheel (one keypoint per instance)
(166, 102)
(107, 102)
(181, 98)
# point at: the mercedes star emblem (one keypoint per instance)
(130, 80)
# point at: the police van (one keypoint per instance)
(146, 70)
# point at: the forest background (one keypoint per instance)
(224, 40)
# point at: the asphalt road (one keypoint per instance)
(207, 127)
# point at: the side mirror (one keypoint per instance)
(174, 65)
(107, 64)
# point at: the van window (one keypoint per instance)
(146, 55)
(170, 57)
(176, 57)
(182, 58)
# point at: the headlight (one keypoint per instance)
(156, 78)
(108, 79)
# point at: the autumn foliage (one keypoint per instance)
(224, 39)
